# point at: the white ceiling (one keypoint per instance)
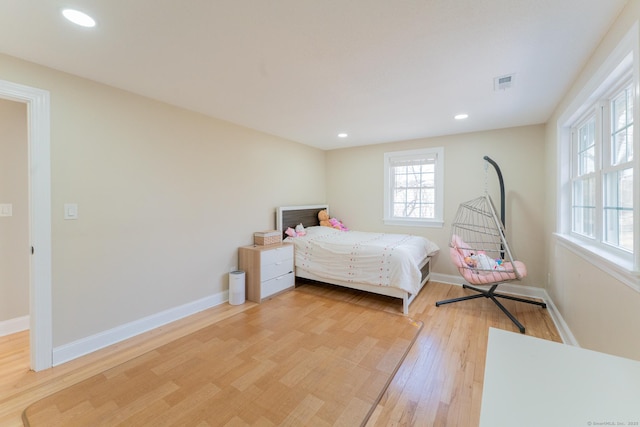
(305, 70)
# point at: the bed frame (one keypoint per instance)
(307, 215)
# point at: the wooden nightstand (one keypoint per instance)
(268, 269)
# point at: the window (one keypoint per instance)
(598, 173)
(414, 185)
(602, 171)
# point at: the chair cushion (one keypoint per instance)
(459, 250)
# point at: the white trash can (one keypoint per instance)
(236, 287)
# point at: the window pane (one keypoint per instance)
(622, 127)
(618, 209)
(584, 206)
(587, 132)
(621, 145)
(429, 195)
(400, 196)
(429, 179)
(398, 209)
(400, 178)
(619, 111)
(428, 210)
(586, 147)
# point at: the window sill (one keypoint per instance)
(414, 223)
(618, 267)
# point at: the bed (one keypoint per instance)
(395, 265)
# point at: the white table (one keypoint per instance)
(534, 382)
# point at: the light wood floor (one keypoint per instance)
(438, 384)
(271, 365)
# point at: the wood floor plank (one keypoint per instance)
(440, 378)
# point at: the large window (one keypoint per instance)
(602, 171)
(414, 187)
(598, 169)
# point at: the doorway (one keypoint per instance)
(14, 221)
(40, 307)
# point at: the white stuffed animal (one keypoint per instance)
(484, 262)
(297, 232)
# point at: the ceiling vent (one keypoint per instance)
(503, 82)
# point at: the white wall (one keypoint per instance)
(601, 311)
(14, 230)
(165, 198)
(355, 188)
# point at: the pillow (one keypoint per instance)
(459, 245)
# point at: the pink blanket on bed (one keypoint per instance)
(459, 250)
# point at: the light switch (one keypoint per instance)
(70, 211)
(6, 209)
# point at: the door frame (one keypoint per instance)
(39, 148)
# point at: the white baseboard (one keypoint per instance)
(523, 291)
(73, 350)
(15, 325)
(446, 278)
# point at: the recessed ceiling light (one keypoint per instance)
(461, 116)
(342, 135)
(79, 18)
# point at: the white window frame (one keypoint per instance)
(601, 114)
(437, 153)
(623, 63)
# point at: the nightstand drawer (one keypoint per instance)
(278, 284)
(269, 271)
(276, 255)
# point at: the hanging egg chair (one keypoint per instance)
(480, 251)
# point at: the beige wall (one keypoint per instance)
(14, 230)
(355, 188)
(601, 312)
(165, 197)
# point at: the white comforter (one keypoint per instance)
(354, 256)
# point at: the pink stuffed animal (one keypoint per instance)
(338, 225)
(291, 232)
(297, 232)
